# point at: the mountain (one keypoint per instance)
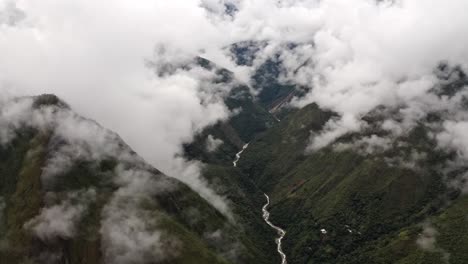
(347, 203)
(74, 192)
(367, 197)
(272, 93)
(226, 137)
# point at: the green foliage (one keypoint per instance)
(203, 233)
(245, 201)
(241, 128)
(266, 81)
(370, 207)
(26, 199)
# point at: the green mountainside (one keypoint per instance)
(249, 119)
(375, 206)
(359, 199)
(68, 199)
(165, 211)
(272, 93)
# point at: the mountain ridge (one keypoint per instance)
(83, 197)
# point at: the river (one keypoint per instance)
(238, 155)
(281, 232)
(266, 214)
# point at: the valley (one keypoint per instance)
(281, 232)
(339, 205)
(266, 214)
(347, 203)
(234, 132)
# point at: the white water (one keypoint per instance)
(281, 232)
(238, 155)
(266, 215)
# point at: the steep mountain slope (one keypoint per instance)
(219, 143)
(368, 197)
(272, 93)
(73, 192)
(232, 134)
(216, 147)
(246, 201)
(353, 202)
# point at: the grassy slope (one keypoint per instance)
(241, 128)
(250, 119)
(271, 91)
(21, 164)
(246, 201)
(26, 199)
(333, 190)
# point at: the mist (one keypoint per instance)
(354, 56)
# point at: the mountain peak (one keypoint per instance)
(49, 100)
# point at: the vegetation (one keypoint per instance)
(204, 235)
(371, 208)
(341, 204)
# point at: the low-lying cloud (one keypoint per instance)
(60, 220)
(130, 231)
(427, 241)
(118, 63)
(212, 143)
(129, 224)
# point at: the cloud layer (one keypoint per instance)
(60, 220)
(115, 62)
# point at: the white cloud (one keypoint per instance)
(60, 220)
(427, 240)
(129, 230)
(130, 236)
(92, 54)
(332, 130)
(366, 145)
(454, 137)
(355, 55)
(212, 143)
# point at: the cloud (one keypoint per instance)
(366, 145)
(60, 220)
(358, 59)
(130, 236)
(333, 129)
(14, 114)
(93, 56)
(10, 14)
(212, 143)
(129, 229)
(122, 62)
(454, 137)
(186, 172)
(73, 138)
(354, 57)
(427, 240)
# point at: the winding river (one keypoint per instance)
(281, 232)
(238, 155)
(266, 214)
